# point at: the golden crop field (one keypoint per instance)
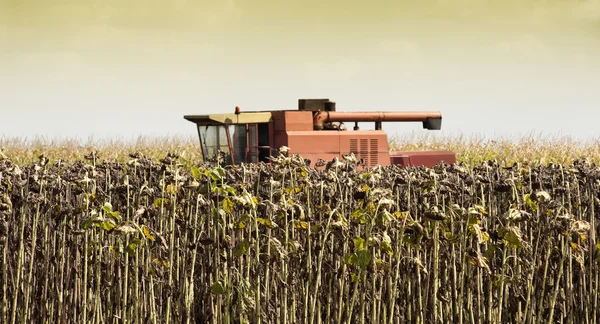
(470, 150)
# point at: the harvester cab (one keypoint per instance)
(316, 131)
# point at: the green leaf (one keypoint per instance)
(116, 215)
(490, 253)
(266, 222)
(196, 173)
(147, 233)
(575, 247)
(387, 247)
(132, 247)
(359, 243)
(241, 248)
(230, 189)
(386, 244)
(158, 202)
(301, 225)
(227, 205)
(87, 223)
(217, 288)
(364, 258)
(405, 215)
(512, 236)
(351, 258)
(171, 189)
(360, 216)
(107, 225)
(219, 190)
(215, 174)
(107, 208)
(302, 172)
(529, 202)
(242, 221)
(357, 213)
(163, 262)
(473, 219)
(292, 190)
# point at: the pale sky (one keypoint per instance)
(128, 68)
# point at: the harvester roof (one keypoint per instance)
(231, 118)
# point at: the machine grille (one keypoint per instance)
(364, 149)
(367, 149)
(374, 152)
(364, 146)
(354, 146)
(359, 153)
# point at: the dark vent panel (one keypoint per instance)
(374, 152)
(354, 146)
(367, 149)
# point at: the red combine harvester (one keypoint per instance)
(314, 131)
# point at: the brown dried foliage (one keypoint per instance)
(149, 240)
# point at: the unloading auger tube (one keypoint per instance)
(431, 119)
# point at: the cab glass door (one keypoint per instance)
(214, 139)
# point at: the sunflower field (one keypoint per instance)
(158, 241)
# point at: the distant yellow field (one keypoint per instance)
(470, 150)
(526, 150)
